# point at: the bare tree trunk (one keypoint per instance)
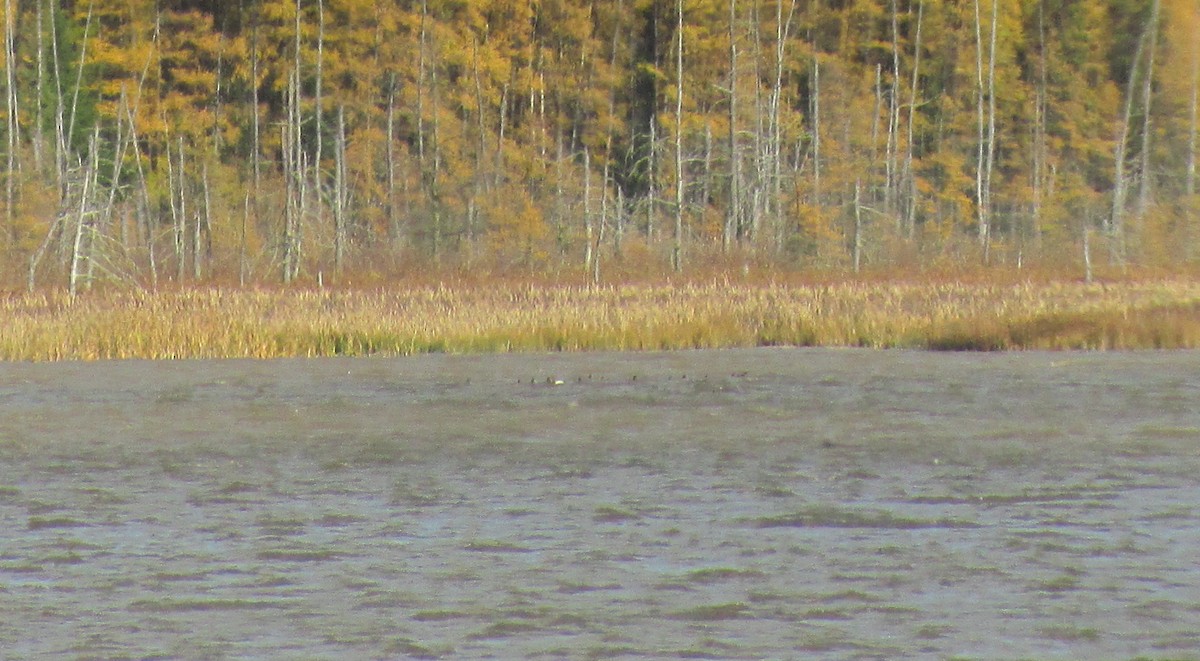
(733, 211)
(216, 104)
(340, 195)
(143, 197)
(60, 113)
(242, 267)
(318, 109)
(605, 207)
(291, 196)
(991, 132)
(597, 253)
(677, 238)
(858, 225)
(619, 224)
(256, 145)
(1038, 175)
(1116, 222)
(201, 226)
(651, 175)
(907, 178)
(118, 161)
(981, 137)
(1087, 251)
(587, 210)
(176, 178)
(480, 178)
(39, 110)
(706, 182)
(755, 208)
(429, 170)
(498, 172)
(318, 173)
(816, 133)
(59, 224)
(604, 217)
(36, 258)
(783, 30)
(13, 122)
(1190, 178)
(78, 244)
(876, 116)
(173, 204)
(70, 131)
(434, 181)
(1190, 181)
(393, 209)
(986, 124)
(894, 178)
(295, 170)
(558, 212)
(1144, 190)
(606, 179)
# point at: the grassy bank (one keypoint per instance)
(520, 317)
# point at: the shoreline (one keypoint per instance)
(523, 317)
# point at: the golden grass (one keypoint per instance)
(221, 322)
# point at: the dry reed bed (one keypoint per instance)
(201, 323)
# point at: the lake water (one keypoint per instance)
(770, 503)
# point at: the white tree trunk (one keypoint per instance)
(1144, 188)
(677, 238)
(13, 127)
(732, 212)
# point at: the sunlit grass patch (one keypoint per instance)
(409, 649)
(713, 612)
(298, 554)
(43, 522)
(1063, 583)
(1168, 432)
(720, 574)
(610, 651)
(506, 628)
(204, 604)
(1074, 494)
(576, 587)
(438, 615)
(614, 514)
(1069, 633)
(826, 614)
(281, 526)
(932, 631)
(200, 323)
(707, 648)
(832, 516)
(823, 640)
(419, 492)
(237, 486)
(495, 546)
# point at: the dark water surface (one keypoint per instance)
(738, 504)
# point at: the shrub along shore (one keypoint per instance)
(230, 322)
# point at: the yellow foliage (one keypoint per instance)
(518, 228)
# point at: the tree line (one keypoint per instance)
(150, 141)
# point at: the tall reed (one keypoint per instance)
(203, 323)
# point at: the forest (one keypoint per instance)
(155, 142)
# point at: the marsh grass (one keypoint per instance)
(832, 516)
(207, 323)
(206, 604)
(713, 612)
(614, 514)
